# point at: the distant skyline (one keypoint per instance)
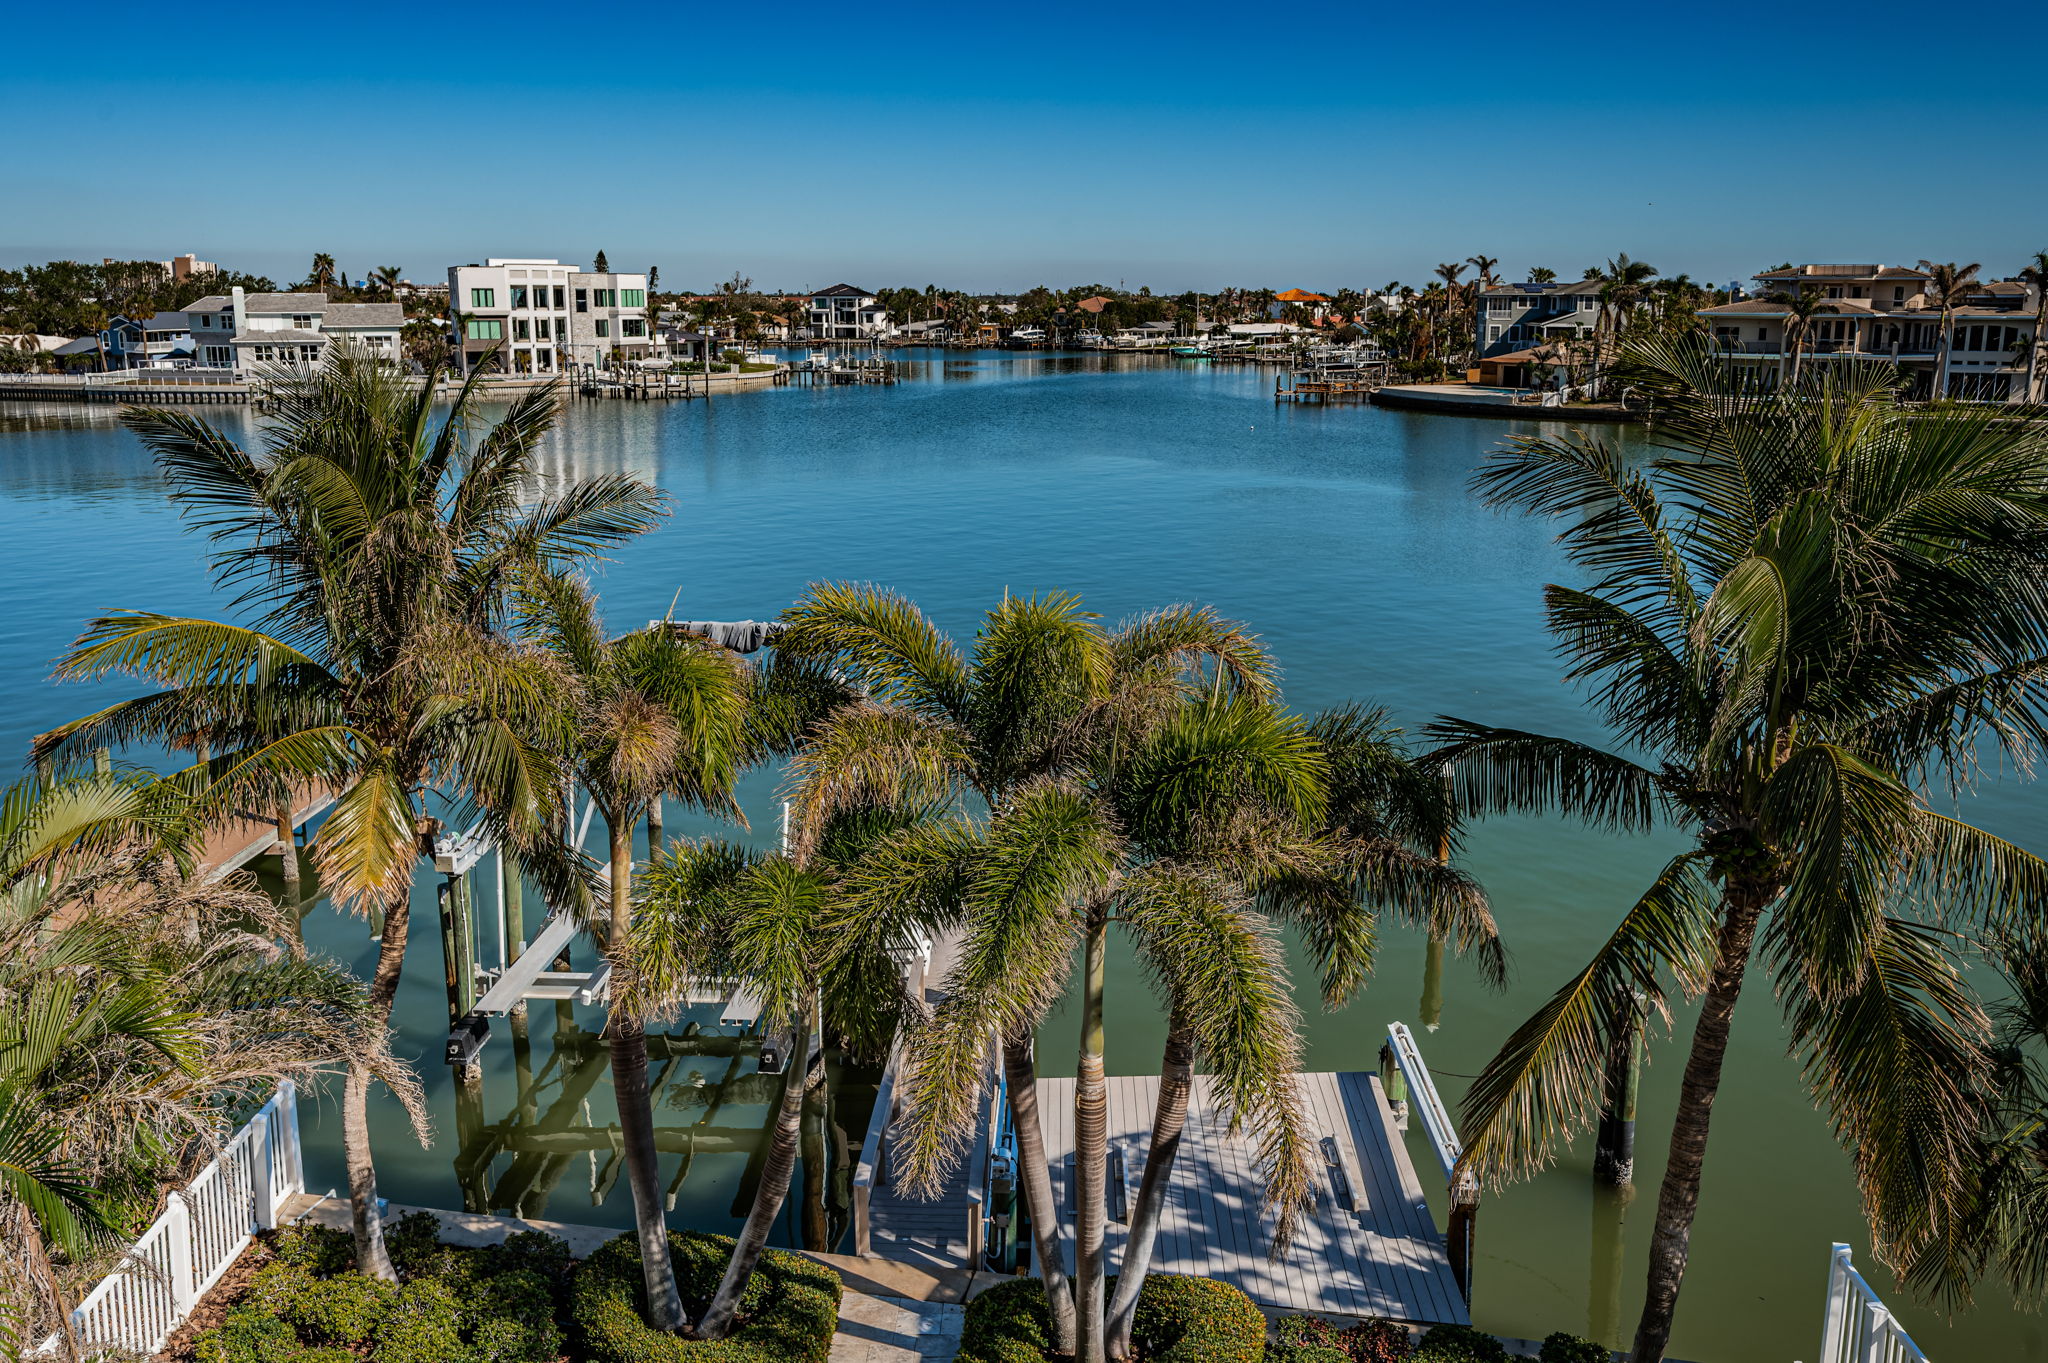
(990, 149)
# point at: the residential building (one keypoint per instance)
(155, 342)
(248, 332)
(177, 268)
(1885, 312)
(1514, 317)
(544, 317)
(844, 313)
(1315, 304)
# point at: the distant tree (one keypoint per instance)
(386, 277)
(2036, 275)
(1542, 274)
(1948, 284)
(1484, 264)
(601, 265)
(321, 276)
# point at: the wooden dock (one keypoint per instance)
(1370, 1247)
(250, 835)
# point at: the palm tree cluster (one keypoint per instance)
(1816, 604)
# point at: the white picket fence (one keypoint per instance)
(1860, 1327)
(204, 1227)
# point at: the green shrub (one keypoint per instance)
(788, 1311)
(1311, 1339)
(345, 1309)
(248, 1335)
(423, 1326)
(510, 1318)
(1009, 1323)
(317, 1249)
(1459, 1344)
(1196, 1320)
(325, 1356)
(1566, 1348)
(414, 1243)
(533, 1251)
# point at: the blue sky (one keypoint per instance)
(996, 147)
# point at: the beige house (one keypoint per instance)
(1885, 312)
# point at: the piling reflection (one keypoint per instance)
(710, 1099)
(1610, 1250)
(1432, 1006)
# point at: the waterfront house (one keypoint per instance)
(543, 317)
(1885, 312)
(844, 313)
(157, 341)
(1314, 304)
(1514, 317)
(247, 332)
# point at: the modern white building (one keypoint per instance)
(844, 313)
(248, 332)
(531, 316)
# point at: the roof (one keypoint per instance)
(84, 345)
(283, 336)
(1094, 304)
(842, 291)
(364, 315)
(284, 302)
(1299, 296)
(1576, 286)
(213, 302)
(1761, 307)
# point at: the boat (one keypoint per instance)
(1025, 337)
(1194, 352)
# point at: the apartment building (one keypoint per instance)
(1514, 317)
(1885, 312)
(248, 332)
(531, 316)
(844, 313)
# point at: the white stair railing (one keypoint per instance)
(1860, 1327)
(204, 1228)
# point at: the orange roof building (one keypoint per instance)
(1299, 296)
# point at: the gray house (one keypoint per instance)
(1515, 317)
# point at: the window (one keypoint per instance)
(583, 300)
(486, 329)
(520, 330)
(558, 298)
(635, 298)
(309, 353)
(632, 326)
(604, 328)
(483, 298)
(1493, 333)
(518, 295)
(1898, 293)
(219, 356)
(303, 321)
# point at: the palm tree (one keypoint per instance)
(1815, 603)
(1484, 264)
(387, 278)
(1622, 283)
(321, 276)
(1122, 785)
(1801, 307)
(656, 712)
(1948, 284)
(2035, 276)
(374, 540)
(1542, 274)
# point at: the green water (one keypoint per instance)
(1345, 536)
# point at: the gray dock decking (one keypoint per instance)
(1386, 1259)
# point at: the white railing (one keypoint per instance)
(1860, 1327)
(203, 1229)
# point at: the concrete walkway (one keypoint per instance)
(896, 1330)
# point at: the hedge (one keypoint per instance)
(787, 1314)
(1179, 1320)
(1311, 1339)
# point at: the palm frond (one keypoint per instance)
(1511, 771)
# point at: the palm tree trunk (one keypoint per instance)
(770, 1193)
(372, 1259)
(1169, 1117)
(2034, 393)
(1679, 1198)
(1034, 1177)
(628, 1040)
(1091, 1150)
(1941, 359)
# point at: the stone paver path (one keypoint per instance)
(896, 1330)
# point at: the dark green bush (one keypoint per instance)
(533, 1251)
(249, 1334)
(423, 1326)
(1311, 1339)
(317, 1249)
(1459, 1344)
(510, 1318)
(414, 1243)
(1196, 1320)
(1009, 1323)
(788, 1312)
(1567, 1348)
(345, 1309)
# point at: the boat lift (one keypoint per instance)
(1404, 1058)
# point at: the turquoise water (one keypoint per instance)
(1345, 536)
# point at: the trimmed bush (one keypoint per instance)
(414, 1243)
(1568, 1348)
(1009, 1323)
(423, 1326)
(1311, 1339)
(1460, 1344)
(1196, 1320)
(317, 1249)
(788, 1312)
(510, 1318)
(343, 1310)
(531, 1251)
(248, 1335)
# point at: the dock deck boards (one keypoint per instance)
(1386, 1259)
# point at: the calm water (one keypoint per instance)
(1345, 536)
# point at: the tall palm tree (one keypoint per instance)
(1123, 785)
(1815, 603)
(322, 275)
(1801, 306)
(1542, 274)
(374, 540)
(387, 278)
(1948, 284)
(656, 712)
(1622, 284)
(2035, 276)
(1484, 264)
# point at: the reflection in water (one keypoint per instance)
(1432, 1005)
(710, 1099)
(1603, 1295)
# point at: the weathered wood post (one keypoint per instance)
(1460, 1233)
(1614, 1150)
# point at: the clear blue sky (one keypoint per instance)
(999, 146)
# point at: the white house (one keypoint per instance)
(248, 331)
(543, 317)
(844, 313)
